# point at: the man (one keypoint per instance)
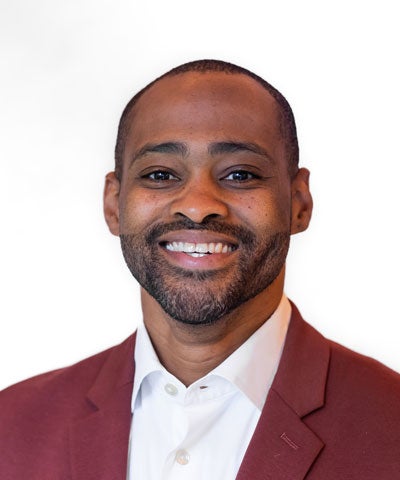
(224, 380)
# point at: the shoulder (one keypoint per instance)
(54, 385)
(359, 386)
(341, 389)
(350, 401)
(36, 414)
(345, 370)
(362, 382)
(359, 421)
(58, 393)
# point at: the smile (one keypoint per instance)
(199, 249)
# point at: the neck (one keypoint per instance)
(189, 352)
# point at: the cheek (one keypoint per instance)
(265, 212)
(138, 211)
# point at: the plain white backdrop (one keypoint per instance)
(67, 70)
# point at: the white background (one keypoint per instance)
(67, 70)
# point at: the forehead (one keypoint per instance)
(205, 107)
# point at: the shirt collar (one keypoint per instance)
(251, 368)
(146, 360)
(253, 365)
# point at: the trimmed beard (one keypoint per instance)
(196, 297)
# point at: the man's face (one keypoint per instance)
(204, 204)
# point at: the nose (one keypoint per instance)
(198, 200)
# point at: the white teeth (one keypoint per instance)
(189, 248)
(201, 248)
(198, 249)
(218, 248)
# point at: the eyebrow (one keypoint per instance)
(172, 148)
(215, 148)
(218, 148)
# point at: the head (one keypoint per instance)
(206, 190)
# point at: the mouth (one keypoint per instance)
(197, 250)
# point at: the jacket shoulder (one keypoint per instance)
(62, 390)
(36, 414)
(356, 379)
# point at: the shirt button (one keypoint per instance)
(171, 389)
(182, 457)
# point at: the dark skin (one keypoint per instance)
(206, 146)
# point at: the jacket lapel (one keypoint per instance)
(283, 447)
(99, 441)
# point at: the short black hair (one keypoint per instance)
(287, 121)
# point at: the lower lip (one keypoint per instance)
(211, 261)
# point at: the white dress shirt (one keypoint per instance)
(201, 432)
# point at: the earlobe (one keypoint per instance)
(302, 202)
(111, 202)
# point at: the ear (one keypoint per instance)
(302, 202)
(111, 202)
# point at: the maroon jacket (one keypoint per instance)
(331, 414)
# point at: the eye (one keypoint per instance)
(160, 176)
(240, 176)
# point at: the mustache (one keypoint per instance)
(242, 234)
